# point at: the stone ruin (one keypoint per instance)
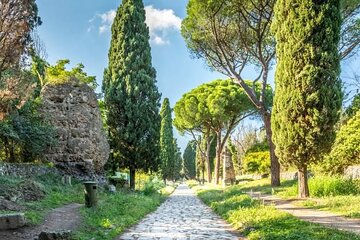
(72, 109)
(228, 168)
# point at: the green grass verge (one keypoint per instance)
(57, 194)
(257, 221)
(349, 206)
(334, 194)
(117, 212)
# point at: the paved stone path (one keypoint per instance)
(324, 218)
(182, 216)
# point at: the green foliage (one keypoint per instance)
(25, 135)
(257, 159)
(212, 106)
(346, 149)
(18, 20)
(257, 162)
(226, 34)
(167, 148)
(257, 221)
(130, 91)
(325, 186)
(350, 29)
(354, 107)
(58, 74)
(308, 93)
(178, 162)
(190, 160)
(153, 186)
(57, 195)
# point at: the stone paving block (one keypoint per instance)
(181, 216)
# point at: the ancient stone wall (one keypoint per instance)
(72, 108)
(25, 170)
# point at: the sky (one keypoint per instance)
(80, 31)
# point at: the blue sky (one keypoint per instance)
(71, 30)
(79, 30)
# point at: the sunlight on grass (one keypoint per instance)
(257, 221)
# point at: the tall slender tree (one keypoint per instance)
(178, 161)
(167, 148)
(234, 35)
(308, 93)
(189, 157)
(131, 94)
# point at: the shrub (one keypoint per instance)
(323, 186)
(154, 185)
(257, 162)
(346, 149)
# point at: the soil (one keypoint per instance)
(66, 218)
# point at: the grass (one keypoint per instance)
(57, 194)
(114, 213)
(330, 193)
(117, 212)
(349, 206)
(257, 221)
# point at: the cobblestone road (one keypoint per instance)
(181, 216)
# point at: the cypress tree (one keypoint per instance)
(189, 157)
(167, 149)
(308, 93)
(178, 161)
(131, 94)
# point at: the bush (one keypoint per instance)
(154, 185)
(346, 149)
(257, 162)
(323, 186)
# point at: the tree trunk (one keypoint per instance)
(203, 175)
(275, 165)
(218, 157)
(132, 178)
(208, 168)
(12, 152)
(303, 182)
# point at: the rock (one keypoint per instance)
(352, 172)
(6, 205)
(12, 221)
(31, 190)
(73, 110)
(228, 171)
(65, 235)
(112, 188)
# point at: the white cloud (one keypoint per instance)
(106, 20)
(160, 22)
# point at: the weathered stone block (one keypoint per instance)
(66, 235)
(12, 221)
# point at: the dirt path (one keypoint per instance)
(325, 218)
(63, 218)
